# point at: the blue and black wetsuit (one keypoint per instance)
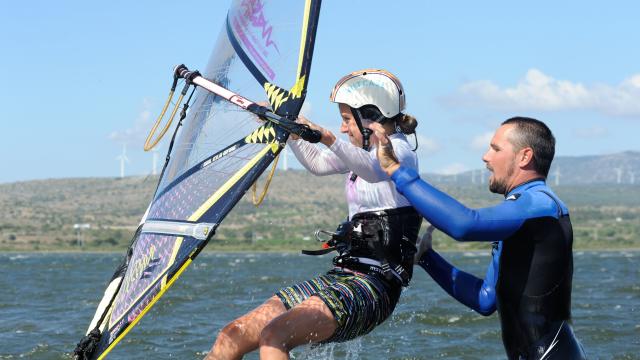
(529, 278)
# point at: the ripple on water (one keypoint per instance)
(57, 306)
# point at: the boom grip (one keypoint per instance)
(312, 136)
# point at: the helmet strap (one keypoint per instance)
(366, 134)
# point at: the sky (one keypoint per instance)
(82, 80)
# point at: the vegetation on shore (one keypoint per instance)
(40, 215)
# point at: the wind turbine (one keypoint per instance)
(557, 175)
(619, 175)
(123, 158)
(79, 233)
(285, 158)
(154, 169)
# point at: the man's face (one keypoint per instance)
(501, 160)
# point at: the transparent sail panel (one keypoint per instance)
(269, 36)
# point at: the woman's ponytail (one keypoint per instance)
(406, 123)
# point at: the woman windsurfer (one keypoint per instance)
(375, 246)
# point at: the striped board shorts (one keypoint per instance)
(359, 302)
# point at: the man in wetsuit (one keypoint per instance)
(529, 278)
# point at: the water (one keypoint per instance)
(47, 301)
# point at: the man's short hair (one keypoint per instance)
(535, 134)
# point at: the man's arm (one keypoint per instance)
(471, 291)
(453, 218)
(459, 222)
(477, 294)
(443, 211)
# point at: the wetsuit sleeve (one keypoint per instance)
(365, 164)
(316, 161)
(477, 294)
(453, 218)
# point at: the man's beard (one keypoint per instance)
(499, 186)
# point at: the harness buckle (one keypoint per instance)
(340, 240)
(319, 235)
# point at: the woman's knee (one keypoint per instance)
(233, 331)
(275, 335)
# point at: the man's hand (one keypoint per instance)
(423, 244)
(387, 158)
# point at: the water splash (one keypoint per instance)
(350, 350)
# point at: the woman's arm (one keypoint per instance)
(365, 164)
(316, 161)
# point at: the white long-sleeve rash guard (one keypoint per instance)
(372, 190)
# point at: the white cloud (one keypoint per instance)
(452, 169)
(481, 142)
(540, 92)
(141, 126)
(426, 146)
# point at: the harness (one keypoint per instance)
(376, 242)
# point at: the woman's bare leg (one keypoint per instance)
(309, 322)
(242, 335)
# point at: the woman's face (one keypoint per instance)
(349, 125)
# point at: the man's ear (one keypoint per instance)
(525, 157)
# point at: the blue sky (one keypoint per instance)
(82, 78)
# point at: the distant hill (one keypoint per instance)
(41, 214)
(619, 168)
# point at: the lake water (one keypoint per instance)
(47, 301)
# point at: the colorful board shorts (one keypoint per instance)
(359, 302)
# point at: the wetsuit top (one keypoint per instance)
(372, 190)
(529, 278)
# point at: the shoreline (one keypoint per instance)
(276, 251)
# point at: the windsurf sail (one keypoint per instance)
(218, 151)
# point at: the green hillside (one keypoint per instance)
(40, 215)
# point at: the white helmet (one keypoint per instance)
(371, 87)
